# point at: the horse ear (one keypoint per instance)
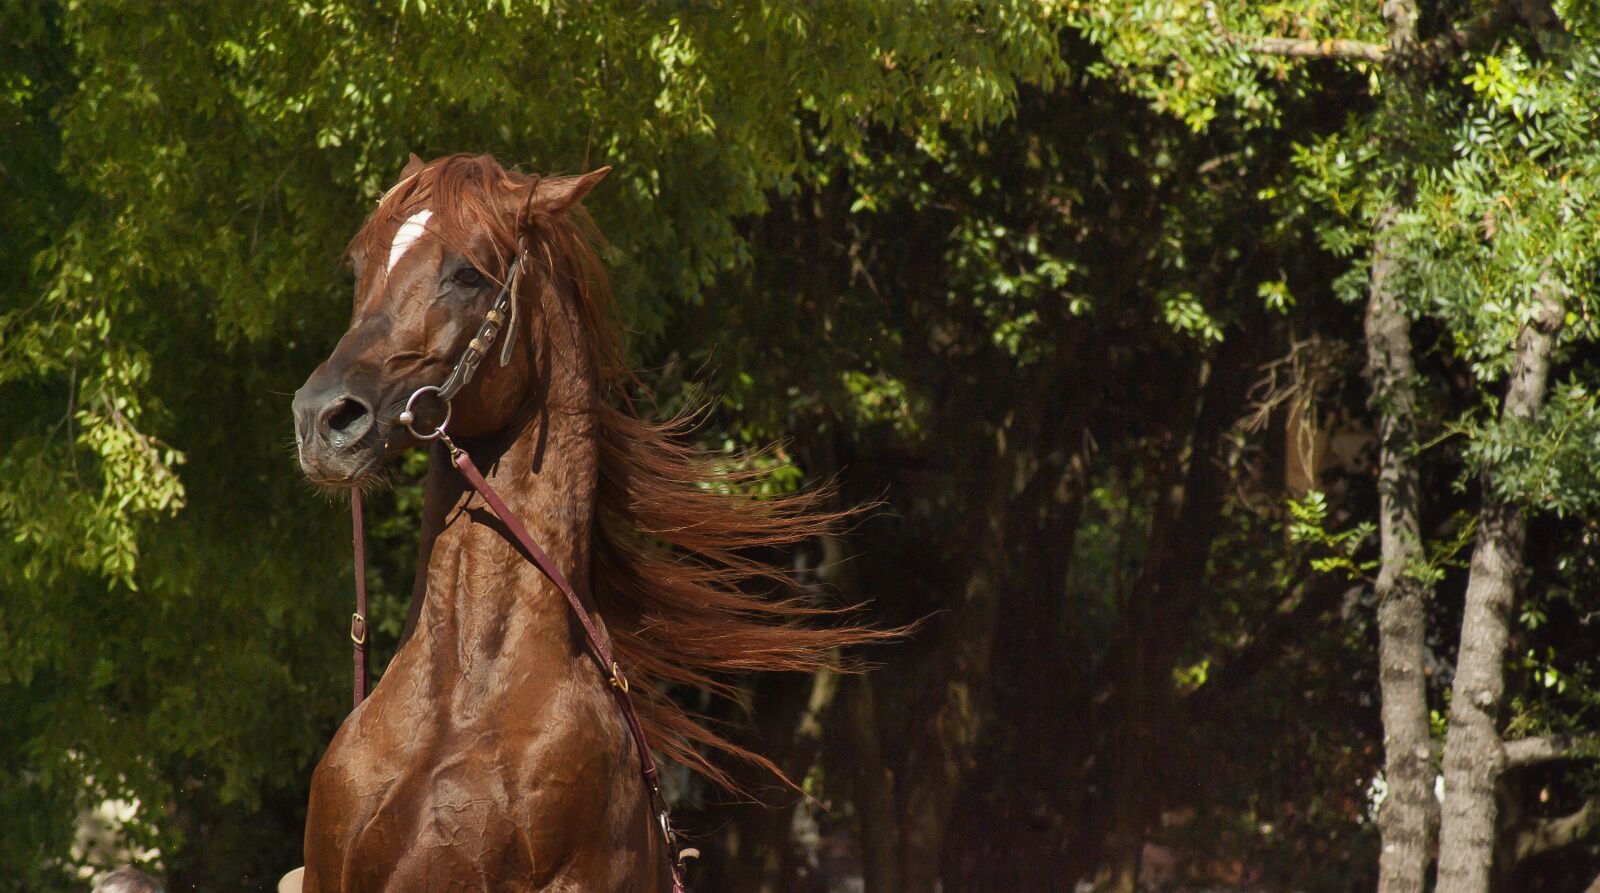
(414, 165)
(559, 194)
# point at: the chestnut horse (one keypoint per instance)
(493, 756)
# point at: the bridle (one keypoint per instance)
(501, 317)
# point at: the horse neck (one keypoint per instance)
(484, 598)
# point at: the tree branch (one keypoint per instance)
(1545, 835)
(1409, 813)
(1477, 33)
(1539, 14)
(1474, 34)
(1318, 49)
(1297, 48)
(1547, 748)
(1474, 753)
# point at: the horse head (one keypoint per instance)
(429, 265)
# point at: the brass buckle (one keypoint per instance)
(360, 638)
(618, 681)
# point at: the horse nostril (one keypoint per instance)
(345, 420)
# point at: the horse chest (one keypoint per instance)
(401, 801)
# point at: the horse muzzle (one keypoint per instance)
(337, 434)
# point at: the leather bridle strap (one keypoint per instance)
(502, 313)
(358, 620)
(598, 647)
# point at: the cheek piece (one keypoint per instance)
(501, 317)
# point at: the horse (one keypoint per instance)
(493, 755)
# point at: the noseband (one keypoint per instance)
(502, 317)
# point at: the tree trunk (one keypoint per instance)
(872, 792)
(1131, 660)
(758, 851)
(1005, 832)
(1409, 812)
(1159, 616)
(1474, 753)
(937, 765)
(944, 699)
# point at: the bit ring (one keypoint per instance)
(408, 416)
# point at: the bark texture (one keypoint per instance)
(1475, 755)
(1409, 812)
(1546, 748)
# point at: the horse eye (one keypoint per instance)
(469, 277)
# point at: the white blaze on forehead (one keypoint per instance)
(406, 236)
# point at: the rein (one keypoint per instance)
(503, 312)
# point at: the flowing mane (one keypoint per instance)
(675, 571)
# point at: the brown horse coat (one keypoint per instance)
(492, 756)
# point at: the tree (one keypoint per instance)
(1410, 73)
(183, 187)
(1189, 348)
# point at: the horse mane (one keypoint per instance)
(677, 573)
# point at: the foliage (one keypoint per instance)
(1310, 517)
(179, 197)
(1011, 268)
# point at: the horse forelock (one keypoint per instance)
(455, 200)
(481, 210)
